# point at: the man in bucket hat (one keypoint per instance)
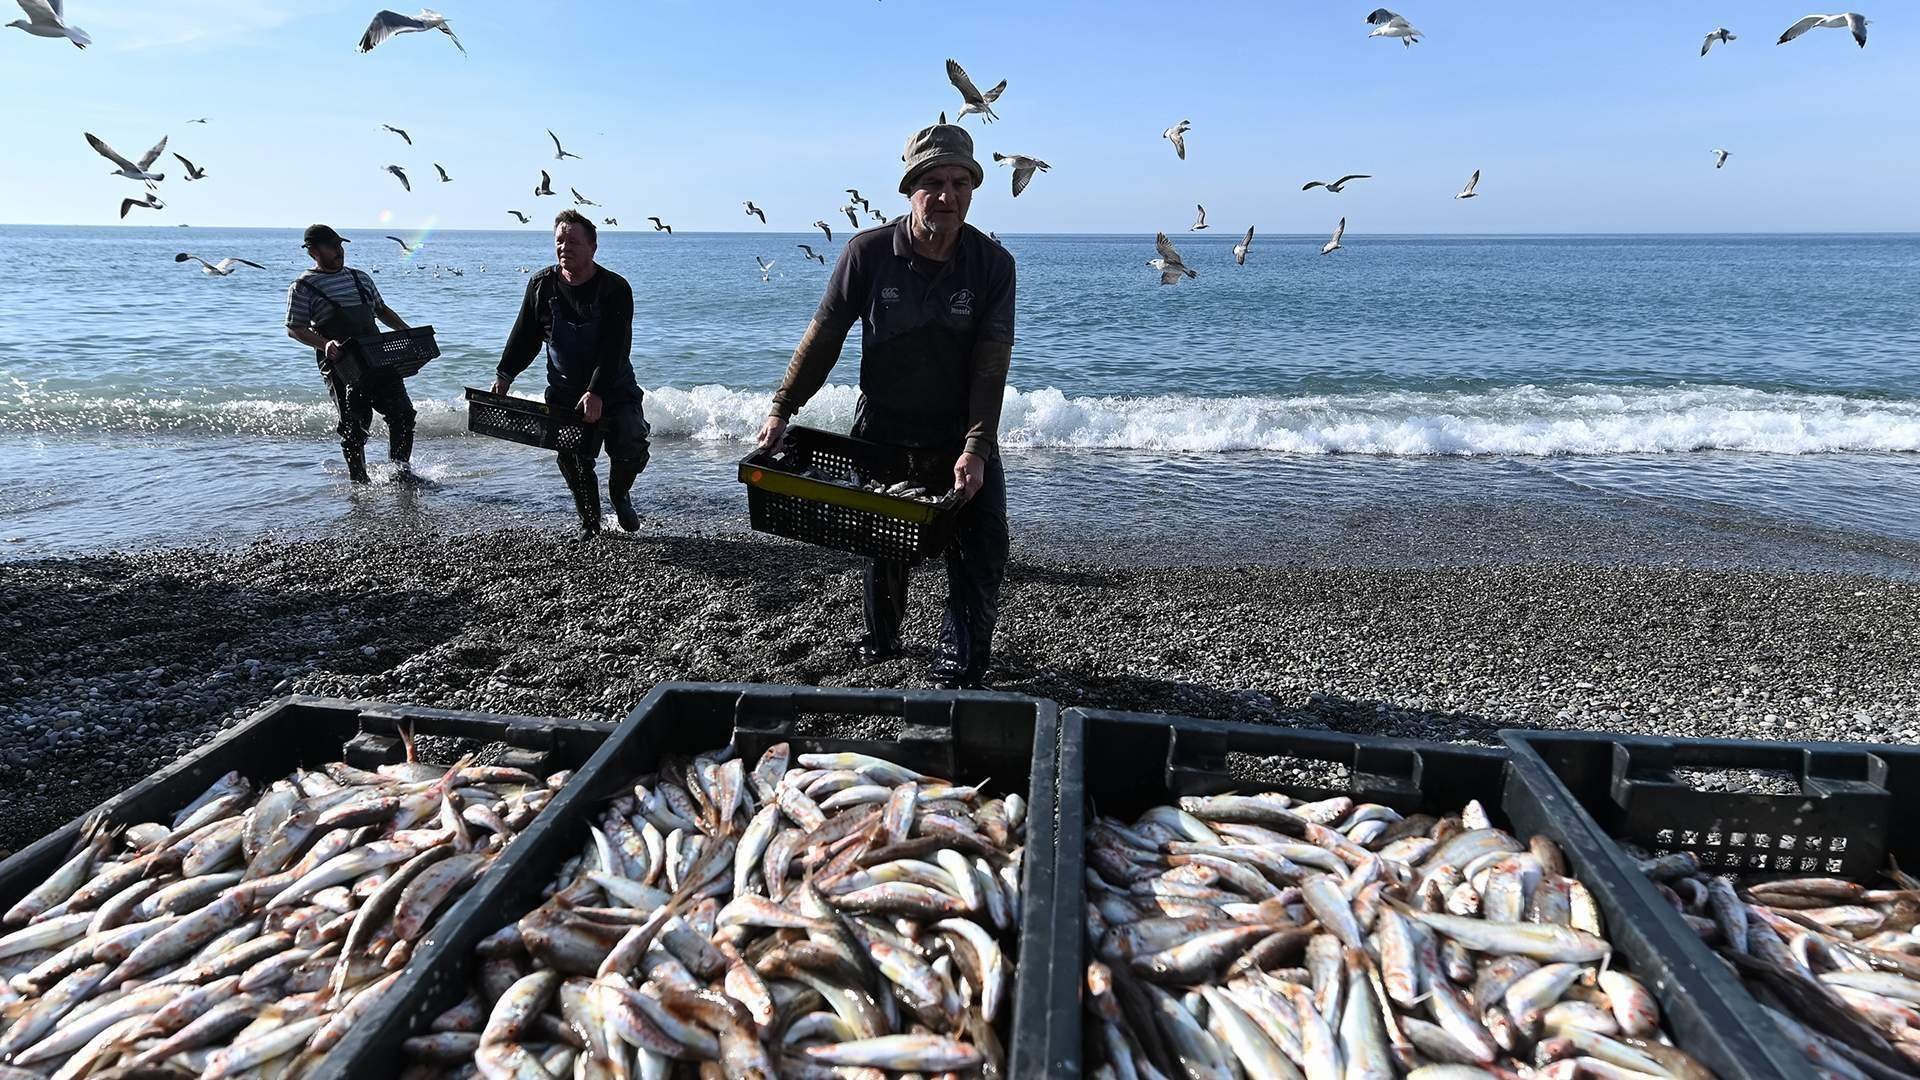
(934, 298)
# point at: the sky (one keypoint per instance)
(1595, 118)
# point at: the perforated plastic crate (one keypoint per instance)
(813, 488)
(395, 352)
(522, 420)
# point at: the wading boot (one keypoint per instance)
(585, 487)
(620, 477)
(400, 451)
(356, 464)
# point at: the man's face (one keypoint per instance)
(327, 256)
(573, 249)
(940, 198)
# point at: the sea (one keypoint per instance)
(1716, 399)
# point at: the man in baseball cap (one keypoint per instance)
(934, 298)
(328, 306)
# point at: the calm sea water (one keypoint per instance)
(1766, 380)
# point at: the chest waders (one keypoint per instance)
(572, 348)
(386, 394)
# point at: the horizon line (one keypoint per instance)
(1229, 233)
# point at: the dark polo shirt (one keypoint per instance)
(919, 323)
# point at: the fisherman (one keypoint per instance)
(934, 298)
(583, 313)
(327, 307)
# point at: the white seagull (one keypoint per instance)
(1852, 21)
(219, 269)
(766, 268)
(1169, 264)
(444, 178)
(976, 102)
(401, 175)
(48, 18)
(1199, 222)
(1386, 24)
(825, 228)
(127, 168)
(1336, 186)
(546, 184)
(1023, 169)
(821, 259)
(151, 202)
(405, 248)
(1333, 245)
(561, 153)
(523, 218)
(1468, 192)
(193, 172)
(388, 23)
(1177, 134)
(579, 199)
(853, 215)
(756, 212)
(1240, 249)
(399, 132)
(1720, 158)
(1721, 35)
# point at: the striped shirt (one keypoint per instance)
(315, 296)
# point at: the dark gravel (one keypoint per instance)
(114, 664)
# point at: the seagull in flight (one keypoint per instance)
(388, 23)
(193, 172)
(1169, 264)
(756, 211)
(766, 268)
(976, 102)
(1240, 249)
(405, 248)
(1023, 169)
(1386, 24)
(1472, 181)
(878, 216)
(151, 202)
(399, 132)
(1335, 186)
(1177, 134)
(444, 178)
(523, 218)
(1721, 35)
(48, 19)
(401, 174)
(1199, 222)
(1854, 22)
(546, 184)
(821, 259)
(854, 194)
(661, 226)
(579, 199)
(202, 120)
(219, 269)
(561, 153)
(127, 168)
(612, 221)
(853, 215)
(823, 227)
(1720, 158)
(1333, 245)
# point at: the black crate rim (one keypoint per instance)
(833, 512)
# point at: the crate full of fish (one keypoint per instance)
(1278, 902)
(884, 502)
(1782, 866)
(523, 420)
(761, 881)
(244, 908)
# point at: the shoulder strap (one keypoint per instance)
(360, 286)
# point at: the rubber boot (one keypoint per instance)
(400, 449)
(620, 477)
(585, 487)
(356, 463)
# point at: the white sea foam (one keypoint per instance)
(1519, 420)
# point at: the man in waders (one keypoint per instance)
(582, 313)
(934, 299)
(327, 307)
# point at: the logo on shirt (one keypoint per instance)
(889, 294)
(961, 303)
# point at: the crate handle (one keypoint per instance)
(1383, 770)
(775, 711)
(1650, 764)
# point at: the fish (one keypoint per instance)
(803, 913)
(1338, 958)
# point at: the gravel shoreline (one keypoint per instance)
(116, 663)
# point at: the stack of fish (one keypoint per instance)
(846, 914)
(1836, 964)
(250, 932)
(1253, 935)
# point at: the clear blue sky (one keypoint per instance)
(1589, 118)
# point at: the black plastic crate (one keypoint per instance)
(307, 731)
(523, 420)
(1820, 809)
(966, 736)
(813, 488)
(395, 352)
(1123, 763)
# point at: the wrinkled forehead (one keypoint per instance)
(572, 234)
(943, 176)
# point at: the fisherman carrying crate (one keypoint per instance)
(935, 299)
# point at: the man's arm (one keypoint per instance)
(812, 362)
(385, 314)
(616, 339)
(523, 342)
(985, 396)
